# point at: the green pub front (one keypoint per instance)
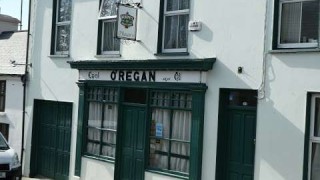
(143, 116)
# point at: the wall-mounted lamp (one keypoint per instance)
(14, 64)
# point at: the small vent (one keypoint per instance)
(4, 167)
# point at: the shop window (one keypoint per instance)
(61, 24)
(2, 95)
(174, 18)
(108, 43)
(298, 24)
(170, 132)
(4, 129)
(102, 122)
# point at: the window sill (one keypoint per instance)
(59, 56)
(98, 159)
(294, 50)
(108, 56)
(173, 54)
(166, 174)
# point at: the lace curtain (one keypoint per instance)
(107, 126)
(172, 142)
(176, 25)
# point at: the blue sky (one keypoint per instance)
(12, 8)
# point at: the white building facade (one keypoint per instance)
(220, 101)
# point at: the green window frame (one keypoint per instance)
(2, 95)
(61, 27)
(101, 122)
(170, 131)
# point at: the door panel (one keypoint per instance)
(53, 121)
(241, 135)
(132, 152)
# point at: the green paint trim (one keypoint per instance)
(166, 173)
(150, 64)
(307, 137)
(173, 54)
(80, 129)
(148, 85)
(196, 146)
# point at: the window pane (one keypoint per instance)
(2, 102)
(179, 164)
(161, 99)
(310, 23)
(158, 161)
(110, 116)
(183, 30)
(109, 137)
(64, 10)
(93, 148)
(110, 42)
(108, 8)
(315, 162)
(108, 151)
(175, 35)
(180, 148)
(94, 134)
(171, 32)
(160, 125)
(173, 5)
(181, 125)
(95, 114)
(317, 118)
(290, 22)
(63, 38)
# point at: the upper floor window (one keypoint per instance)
(175, 26)
(2, 95)
(109, 44)
(298, 24)
(61, 27)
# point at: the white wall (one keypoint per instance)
(232, 31)
(13, 111)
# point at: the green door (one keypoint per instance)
(51, 140)
(241, 144)
(133, 143)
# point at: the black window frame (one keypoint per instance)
(101, 26)
(277, 26)
(161, 33)
(55, 24)
(3, 94)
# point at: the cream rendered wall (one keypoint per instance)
(13, 111)
(282, 113)
(232, 31)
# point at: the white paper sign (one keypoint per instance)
(127, 22)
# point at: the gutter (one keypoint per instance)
(24, 81)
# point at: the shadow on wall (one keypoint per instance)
(281, 119)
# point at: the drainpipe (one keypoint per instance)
(24, 81)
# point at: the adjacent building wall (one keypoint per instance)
(13, 111)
